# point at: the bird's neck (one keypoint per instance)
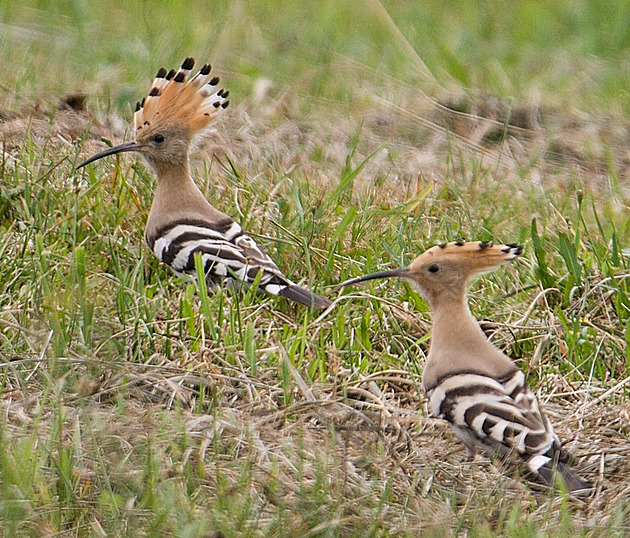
(173, 176)
(459, 345)
(176, 188)
(178, 197)
(454, 326)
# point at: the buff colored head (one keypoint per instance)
(444, 270)
(176, 110)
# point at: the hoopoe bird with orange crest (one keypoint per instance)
(468, 381)
(181, 221)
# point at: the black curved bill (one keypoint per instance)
(127, 146)
(381, 274)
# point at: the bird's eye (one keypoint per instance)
(433, 268)
(158, 138)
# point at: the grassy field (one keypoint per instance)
(359, 134)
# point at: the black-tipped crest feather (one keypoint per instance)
(188, 63)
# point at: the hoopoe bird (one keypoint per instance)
(182, 222)
(468, 381)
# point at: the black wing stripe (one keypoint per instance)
(226, 253)
(236, 254)
(484, 406)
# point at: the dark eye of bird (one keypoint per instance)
(158, 138)
(433, 268)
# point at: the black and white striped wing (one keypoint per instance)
(502, 416)
(227, 253)
(499, 415)
(225, 250)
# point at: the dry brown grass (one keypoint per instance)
(365, 433)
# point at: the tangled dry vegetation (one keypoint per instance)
(355, 437)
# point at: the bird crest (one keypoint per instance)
(475, 257)
(452, 263)
(175, 99)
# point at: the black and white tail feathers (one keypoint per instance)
(228, 254)
(502, 416)
(572, 481)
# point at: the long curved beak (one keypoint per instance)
(127, 146)
(402, 272)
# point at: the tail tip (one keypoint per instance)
(320, 301)
(305, 297)
(574, 484)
